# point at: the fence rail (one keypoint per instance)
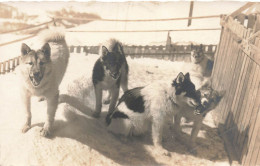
(174, 53)
(237, 70)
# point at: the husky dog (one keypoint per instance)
(203, 65)
(41, 73)
(210, 99)
(109, 72)
(141, 107)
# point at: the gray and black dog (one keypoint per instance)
(109, 73)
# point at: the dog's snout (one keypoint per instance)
(36, 74)
(205, 103)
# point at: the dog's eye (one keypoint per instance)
(30, 63)
(41, 63)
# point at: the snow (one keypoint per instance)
(81, 140)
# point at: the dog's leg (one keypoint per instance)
(177, 123)
(52, 104)
(98, 94)
(26, 103)
(114, 97)
(194, 133)
(157, 132)
(124, 79)
(107, 98)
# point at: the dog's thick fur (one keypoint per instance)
(202, 64)
(210, 99)
(109, 73)
(140, 107)
(41, 72)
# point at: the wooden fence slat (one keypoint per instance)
(255, 140)
(248, 98)
(229, 71)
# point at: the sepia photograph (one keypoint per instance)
(138, 83)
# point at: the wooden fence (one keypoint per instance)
(175, 53)
(237, 70)
(9, 65)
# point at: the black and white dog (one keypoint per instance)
(109, 72)
(141, 107)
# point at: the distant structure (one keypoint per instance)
(168, 41)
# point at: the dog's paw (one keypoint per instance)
(193, 151)
(45, 132)
(96, 115)
(26, 128)
(192, 148)
(106, 101)
(160, 150)
(41, 99)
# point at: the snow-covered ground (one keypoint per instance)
(81, 140)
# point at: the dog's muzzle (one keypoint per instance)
(115, 76)
(36, 78)
(199, 110)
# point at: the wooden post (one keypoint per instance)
(71, 49)
(13, 64)
(190, 14)
(8, 66)
(1, 66)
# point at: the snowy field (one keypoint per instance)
(79, 139)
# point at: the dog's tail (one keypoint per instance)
(115, 46)
(52, 35)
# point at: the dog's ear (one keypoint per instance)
(25, 49)
(46, 49)
(104, 51)
(180, 78)
(220, 95)
(187, 76)
(118, 48)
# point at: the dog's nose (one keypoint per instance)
(204, 103)
(36, 74)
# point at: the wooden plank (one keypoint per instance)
(247, 5)
(222, 57)
(223, 76)
(256, 141)
(258, 157)
(249, 100)
(242, 89)
(71, 49)
(235, 85)
(228, 81)
(251, 21)
(257, 24)
(217, 66)
(216, 57)
(248, 150)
